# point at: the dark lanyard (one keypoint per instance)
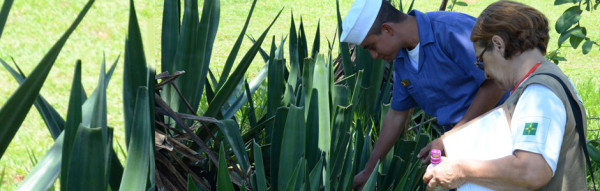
(579, 122)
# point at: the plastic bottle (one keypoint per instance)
(436, 158)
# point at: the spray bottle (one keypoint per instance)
(436, 158)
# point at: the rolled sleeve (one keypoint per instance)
(539, 123)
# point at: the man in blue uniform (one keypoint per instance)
(433, 69)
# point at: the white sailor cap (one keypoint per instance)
(359, 20)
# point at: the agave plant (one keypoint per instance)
(83, 154)
(316, 134)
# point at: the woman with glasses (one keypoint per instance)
(547, 116)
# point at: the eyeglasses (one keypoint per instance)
(480, 58)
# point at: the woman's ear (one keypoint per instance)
(499, 44)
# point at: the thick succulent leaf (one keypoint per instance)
(292, 144)
(88, 104)
(347, 171)
(251, 113)
(74, 118)
(94, 115)
(293, 48)
(317, 41)
(312, 132)
(265, 56)
(207, 31)
(134, 72)
(187, 59)
(302, 45)
(137, 165)
(243, 99)
(151, 87)
(296, 177)
(53, 120)
(17, 106)
(307, 80)
(235, 50)
(45, 172)
(236, 76)
(231, 131)
(315, 175)
(320, 83)
(345, 51)
(88, 161)
(4, 14)
(223, 179)
(99, 111)
(371, 182)
(275, 87)
(276, 146)
(340, 137)
(261, 180)
(170, 34)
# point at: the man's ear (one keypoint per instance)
(387, 28)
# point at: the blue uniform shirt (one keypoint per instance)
(446, 80)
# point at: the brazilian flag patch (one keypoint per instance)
(530, 128)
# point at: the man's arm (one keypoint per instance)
(486, 98)
(393, 125)
(521, 171)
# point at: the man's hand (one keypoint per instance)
(360, 179)
(447, 174)
(425, 152)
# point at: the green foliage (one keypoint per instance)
(4, 14)
(569, 27)
(84, 151)
(223, 180)
(15, 109)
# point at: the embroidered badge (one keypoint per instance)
(530, 128)
(405, 83)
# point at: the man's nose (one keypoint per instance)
(373, 54)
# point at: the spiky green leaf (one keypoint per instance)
(4, 14)
(137, 165)
(223, 179)
(17, 106)
(45, 172)
(134, 72)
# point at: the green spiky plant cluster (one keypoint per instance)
(318, 130)
(83, 154)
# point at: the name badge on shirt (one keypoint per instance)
(405, 83)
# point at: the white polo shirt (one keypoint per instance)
(538, 123)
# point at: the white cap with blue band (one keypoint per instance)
(359, 20)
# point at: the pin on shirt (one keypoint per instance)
(405, 83)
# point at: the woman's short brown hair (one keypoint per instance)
(521, 27)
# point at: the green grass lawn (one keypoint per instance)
(34, 26)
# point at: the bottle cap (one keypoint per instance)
(436, 156)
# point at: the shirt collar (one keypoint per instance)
(425, 31)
